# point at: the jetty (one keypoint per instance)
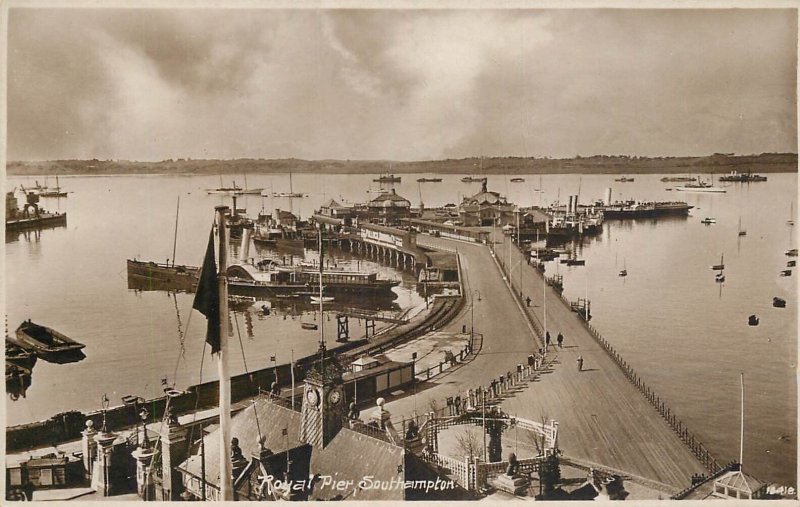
(603, 416)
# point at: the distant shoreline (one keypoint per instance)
(717, 163)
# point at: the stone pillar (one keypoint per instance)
(102, 476)
(89, 448)
(174, 448)
(144, 481)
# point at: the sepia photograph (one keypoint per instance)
(259, 251)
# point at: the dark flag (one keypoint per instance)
(206, 299)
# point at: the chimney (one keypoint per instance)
(244, 251)
(608, 196)
(575, 204)
(569, 206)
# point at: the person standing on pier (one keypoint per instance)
(528, 300)
(560, 340)
(580, 363)
(547, 340)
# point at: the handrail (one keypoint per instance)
(695, 446)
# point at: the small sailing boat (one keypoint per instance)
(791, 215)
(721, 265)
(323, 299)
(742, 232)
(624, 271)
(56, 192)
(720, 277)
(708, 220)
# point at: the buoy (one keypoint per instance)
(752, 320)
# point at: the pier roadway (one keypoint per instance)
(602, 418)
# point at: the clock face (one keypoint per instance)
(335, 396)
(312, 396)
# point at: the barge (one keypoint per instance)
(31, 216)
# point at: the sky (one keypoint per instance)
(155, 84)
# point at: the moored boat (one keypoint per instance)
(747, 177)
(48, 343)
(517, 180)
(685, 179)
(700, 186)
(708, 220)
(633, 209)
(429, 180)
(387, 178)
(148, 275)
(624, 179)
(778, 302)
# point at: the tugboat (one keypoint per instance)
(429, 180)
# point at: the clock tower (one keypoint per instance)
(323, 402)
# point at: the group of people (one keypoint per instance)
(472, 399)
(559, 340)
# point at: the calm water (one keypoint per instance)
(686, 335)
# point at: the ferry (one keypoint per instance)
(271, 279)
(633, 209)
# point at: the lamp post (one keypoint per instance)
(105, 403)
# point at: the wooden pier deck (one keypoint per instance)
(602, 417)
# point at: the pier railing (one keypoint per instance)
(687, 437)
(445, 365)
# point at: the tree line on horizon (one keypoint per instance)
(764, 162)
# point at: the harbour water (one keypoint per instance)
(685, 334)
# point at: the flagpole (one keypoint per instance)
(226, 471)
(291, 367)
(741, 430)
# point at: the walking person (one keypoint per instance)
(580, 363)
(560, 340)
(528, 300)
(547, 340)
